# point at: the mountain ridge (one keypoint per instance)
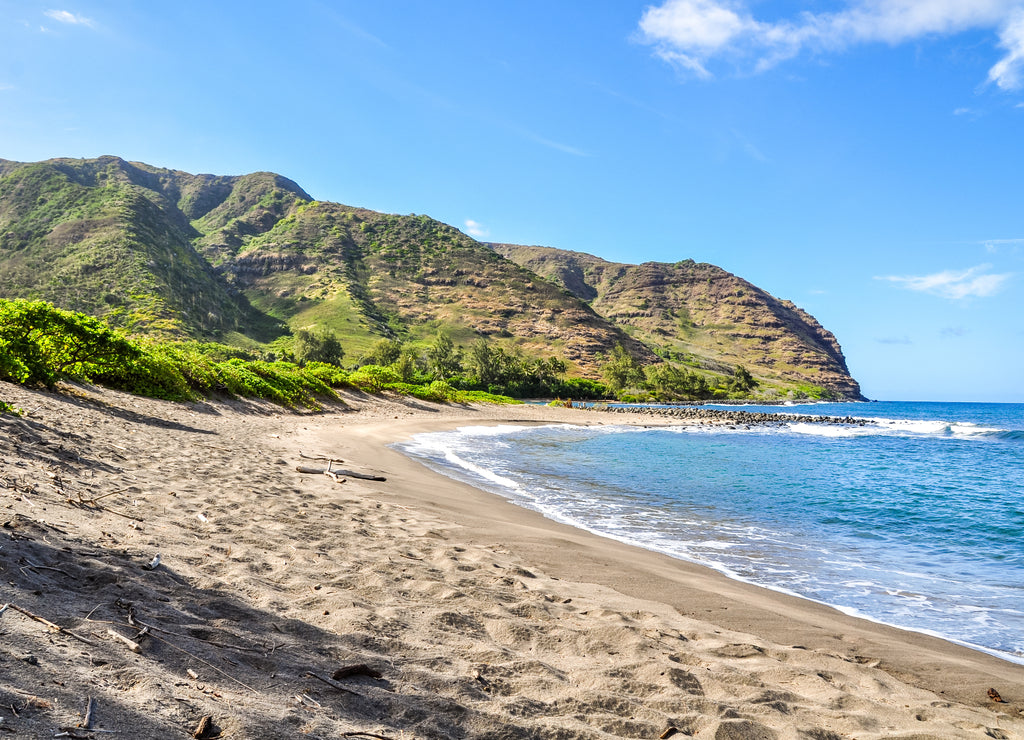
(697, 302)
(249, 258)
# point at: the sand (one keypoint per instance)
(289, 605)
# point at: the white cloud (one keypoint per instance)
(66, 16)
(952, 332)
(994, 246)
(475, 229)
(1007, 71)
(690, 33)
(976, 282)
(894, 340)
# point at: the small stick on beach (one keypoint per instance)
(130, 644)
(332, 683)
(89, 707)
(51, 625)
(204, 728)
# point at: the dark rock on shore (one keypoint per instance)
(723, 416)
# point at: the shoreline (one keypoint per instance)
(669, 418)
(287, 604)
(661, 577)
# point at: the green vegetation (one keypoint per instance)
(42, 345)
(666, 381)
(318, 346)
(199, 262)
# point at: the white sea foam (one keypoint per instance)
(831, 430)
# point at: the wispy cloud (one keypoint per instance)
(994, 246)
(351, 28)
(476, 229)
(894, 340)
(748, 147)
(976, 282)
(556, 145)
(952, 332)
(691, 33)
(69, 18)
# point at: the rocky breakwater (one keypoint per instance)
(730, 417)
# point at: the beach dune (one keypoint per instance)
(169, 573)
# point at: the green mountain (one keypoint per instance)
(249, 259)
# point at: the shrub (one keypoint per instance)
(373, 378)
(43, 344)
(322, 345)
(330, 375)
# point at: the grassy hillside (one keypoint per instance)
(108, 238)
(248, 260)
(367, 275)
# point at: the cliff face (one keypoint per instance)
(248, 258)
(699, 314)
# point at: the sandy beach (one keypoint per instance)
(169, 573)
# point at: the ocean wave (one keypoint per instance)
(904, 428)
(1016, 435)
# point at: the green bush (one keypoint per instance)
(41, 344)
(482, 397)
(153, 374)
(330, 375)
(373, 378)
(322, 345)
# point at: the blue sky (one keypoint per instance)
(863, 159)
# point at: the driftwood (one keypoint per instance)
(130, 644)
(204, 729)
(89, 707)
(332, 683)
(337, 472)
(51, 625)
(318, 457)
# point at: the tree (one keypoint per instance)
(407, 365)
(444, 358)
(385, 352)
(485, 363)
(742, 381)
(621, 370)
(666, 380)
(321, 345)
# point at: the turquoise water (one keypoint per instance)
(914, 519)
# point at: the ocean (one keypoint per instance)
(914, 518)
